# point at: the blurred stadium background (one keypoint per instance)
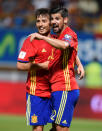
(17, 20)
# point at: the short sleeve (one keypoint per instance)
(71, 39)
(27, 51)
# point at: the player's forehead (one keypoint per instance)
(56, 15)
(43, 16)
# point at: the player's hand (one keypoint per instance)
(37, 66)
(35, 36)
(44, 65)
(81, 72)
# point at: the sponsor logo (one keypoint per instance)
(43, 50)
(96, 103)
(8, 45)
(67, 37)
(64, 122)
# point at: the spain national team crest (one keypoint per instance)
(34, 119)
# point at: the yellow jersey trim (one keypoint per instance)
(66, 70)
(33, 82)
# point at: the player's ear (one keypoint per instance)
(66, 20)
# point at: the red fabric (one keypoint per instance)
(37, 81)
(69, 36)
(29, 49)
(62, 76)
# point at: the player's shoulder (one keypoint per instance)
(27, 40)
(34, 41)
(70, 31)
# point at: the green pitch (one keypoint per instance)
(18, 123)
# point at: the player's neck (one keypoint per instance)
(47, 34)
(64, 27)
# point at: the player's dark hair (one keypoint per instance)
(42, 11)
(63, 11)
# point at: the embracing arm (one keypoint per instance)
(54, 42)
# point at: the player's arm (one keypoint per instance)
(43, 65)
(80, 68)
(23, 66)
(26, 57)
(54, 42)
(32, 66)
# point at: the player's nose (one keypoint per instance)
(53, 21)
(41, 24)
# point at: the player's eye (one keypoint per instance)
(44, 21)
(57, 18)
(51, 18)
(37, 21)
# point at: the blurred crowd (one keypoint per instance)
(85, 15)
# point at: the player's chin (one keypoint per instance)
(56, 30)
(42, 32)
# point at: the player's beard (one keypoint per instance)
(57, 29)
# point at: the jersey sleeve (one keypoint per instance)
(71, 39)
(27, 51)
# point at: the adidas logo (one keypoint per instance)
(43, 50)
(64, 122)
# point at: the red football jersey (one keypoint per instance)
(37, 81)
(62, 76)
